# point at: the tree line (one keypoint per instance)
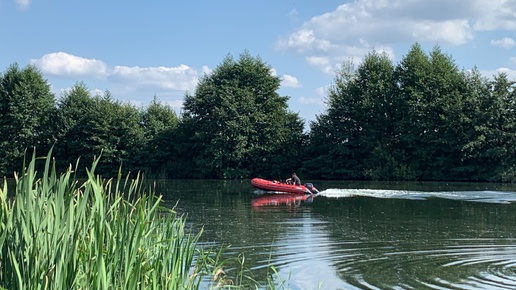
(420, 119)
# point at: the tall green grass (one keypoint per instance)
(57, 232)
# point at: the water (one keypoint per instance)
(361, 235)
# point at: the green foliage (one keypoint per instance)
(72, 128)
(88, 126)
(158, 118)
(493, 130)
(236, 123)
(421, 120)
(26, 107)
(159, 124)
(358, 127)
(432, 95)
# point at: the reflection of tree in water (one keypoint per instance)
(264, 201)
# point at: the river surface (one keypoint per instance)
(359, 235)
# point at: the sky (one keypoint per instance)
(139, 50)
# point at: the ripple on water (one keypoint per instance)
(466, 264)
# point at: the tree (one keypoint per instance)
(239, 124)
(375, 116)
(89, 126)
(119, 133)
(72, 126)
(446, 111)
(159, 124)
(490, 150)
(412, 75)
(354, 137)
(26, 107)
(432, 97)
(505, 90)
(472, 116)
(327, 154)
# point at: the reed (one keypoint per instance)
(57, 232)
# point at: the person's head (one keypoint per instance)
(294, 174)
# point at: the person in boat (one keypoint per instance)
(294, 180)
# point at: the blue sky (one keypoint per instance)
(138, 50)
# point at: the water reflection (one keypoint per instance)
(376, 237)
(279, 199)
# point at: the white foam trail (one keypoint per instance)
(477, 196)
(378, 193)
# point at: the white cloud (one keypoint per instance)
(97, 92)
(453, 32)
(505, 42)
(323, 63)
(378, 22)
(23, 4)
(355, 28)
(511, 73)
(133, 84)
(206, 70)
(64, 64)
(497, 14)
(175, 104)
(179, 78)
(321, 91)
(290, 81)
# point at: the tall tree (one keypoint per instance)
(327, 155)
(504, 127)
(71, 128)
(119, 132)
(239, 124)
(412, 75)
(446, 99)
(26, 106)
(159, 123)
(375, 116)
(490, 152)
(475, 101)
(357, 129)
(89, 126)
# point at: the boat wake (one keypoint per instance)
(474, 196)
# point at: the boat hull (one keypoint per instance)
(270, 185)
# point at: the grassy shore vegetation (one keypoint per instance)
(57, 232)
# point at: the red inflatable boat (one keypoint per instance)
(273, 185)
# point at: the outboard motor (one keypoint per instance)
(312, 188)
